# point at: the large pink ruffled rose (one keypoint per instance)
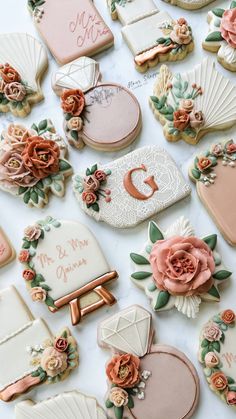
(228, 27)
(182, 265)
(13, 171)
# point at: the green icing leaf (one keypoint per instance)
(34, 244)
(214, 292)
(154, 233)
(88, 173)
(205, 343)
(161, 40)
(211, 241)
(35, 373)
(154, 99)
(196, 173)
(34, 126)
(220, 275)
(34, 197)
(214, 37)
(230, 380)
(216, 346)
(232, 388)
(139, 259)
(233, 5)
(141, 275)
(162, 300)
(22, 190)
(130, 403)
(109, 404)
(50, 302)
(26, 197)
(64, 165)
(43, 125)
(26, 245)
(118, 412)
(74, 135)
(93, 169)
(169, 117)
(218, 11)
(95, 207)
(204, 352)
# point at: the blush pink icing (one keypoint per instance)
(182, 265)
(228, 27)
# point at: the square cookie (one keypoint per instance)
(131, 11)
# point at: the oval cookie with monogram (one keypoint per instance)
(87, 103)
(131, 189)
(217, 355)
(64, 265)
(177, 269)
(7, 252)
(143, 376)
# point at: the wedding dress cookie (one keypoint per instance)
(7, 252)
(177, 269)
(78, 28)
(65, 265)
(87, 103)
(140, 373)
(23, 61)
(191, 104)
(32, 162)
(30, 355)
(222, 35)
(131, 189)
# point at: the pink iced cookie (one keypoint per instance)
(7, 253)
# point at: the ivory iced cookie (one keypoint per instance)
(191, 104)
(177, 269)
(131, 189)
(65, 265)
(23, 61)
(32, 162)
(7, 252)
(78, 28)
(139, 372)
(30, 355)
(189, 4)
(217, 355)
(214, 173)
(64, 406)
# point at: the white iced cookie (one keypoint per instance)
(23, 61)
(131, 189)
(189, 4)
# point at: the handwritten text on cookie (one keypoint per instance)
(229, 358)
(87, 28)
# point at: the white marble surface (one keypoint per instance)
(171, 327)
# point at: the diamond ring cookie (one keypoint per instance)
(222, 35)
(64, 406)
(33, 163)
(63, 264)
(7, 252)
(213, 171)
(217, 355)
(177, 269)
(29, 352)
(191, 104)
(87, 102)
(78, 28)
(151, 35)
(140, 373)
(132, 188)
(23, 61)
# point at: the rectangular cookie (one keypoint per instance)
(132, 11)
(7, 253)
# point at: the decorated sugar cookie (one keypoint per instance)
(191, 104)
(217, 355)
(63, 264)
(222, 35)
(87, 103)
(78, 28)
(131, 189)
(32, 162)
(23, 61)
(177, 269)
(80, 407)
(30, 354)
(212, 170)
(189, 4)
(140, 373)
(7, 252)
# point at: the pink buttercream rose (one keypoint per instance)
(13, 170)
(212, 332)
(182, 265)
(231, 148)
(16, 135)
(228, 27)
(211, 360)
(33, 232)
(53, 362)
(231, 397)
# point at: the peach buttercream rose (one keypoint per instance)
(186, 104)
(231, 148)
(182, 265)
(228, 27)
(118, 396)
(217, 150)
(212, 332)
(219, 381)
(228, 316)
(89, 197)
(9, 74)
(181, 34)
(181, 119)
(204, 163)
(123, 370)
(15, 92)
(73, 102)
(91, 183)
(28, 274)
(16, 135)
(38, 294)
(231, 397)
(14, 171)
(32, 233)
(196, 119)
(211, 360)
(75, 124)
(24, 256)
(53, 362)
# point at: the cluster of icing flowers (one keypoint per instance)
(228, 27)
(12, 87)
(126, 379)
(177, 35)
(73, 104)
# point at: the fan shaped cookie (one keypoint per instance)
(140, 373)
(191, 104)
(177, 269)
(7, 252)
(23, 61)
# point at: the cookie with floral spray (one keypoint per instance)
(213, 171)
(33, 162)
(217, 355)
(177, 269)
(87, 103)
(139, 371)
(7, 252)
(32, 354)
(222, 35)
(191, 104)
(23, 61)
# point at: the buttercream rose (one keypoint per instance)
(15, 92)
(123, 370)
(231, 397)
(186, 104)
(228, 316)
(32, 233)
(2, 85)
(181, 119)
(61, 344)
(182, 265)
(181, 21)
(91, 183)
(73, 102)
(9, 74)
(211, 360)
(41, 157)
(212, 332)
(181, 34)
(196, 119)
(75, 124)
(14, 171)
(204, 163)
(228, 27)
(118, 396)
(16, 135)
(89, 197)
(38, 294)
(219, 381)
(217, 150)
(231, 148)
(24, 256)
(53, 362)
(28, 274)
(100, 175)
